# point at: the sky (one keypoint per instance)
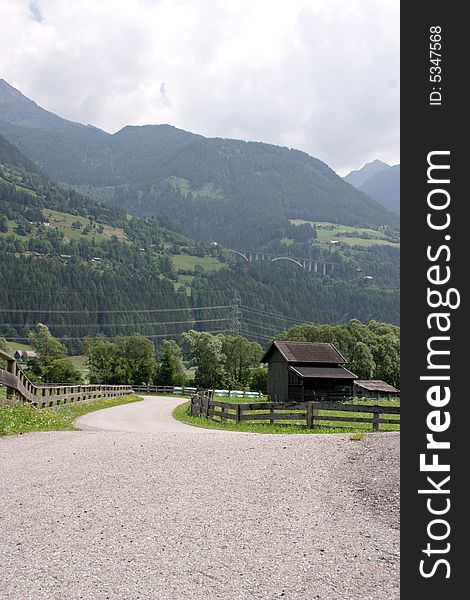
(317, 75)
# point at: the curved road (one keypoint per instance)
(152, 415)
(139, 507)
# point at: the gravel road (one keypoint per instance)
(179, 514)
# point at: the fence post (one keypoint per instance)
(238, 411)
(375, 422)
(272, 414)
(309, 414)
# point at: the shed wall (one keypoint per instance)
(278, 378)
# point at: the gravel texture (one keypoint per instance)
(175, 515)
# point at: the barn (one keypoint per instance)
(300, 371)
(374, 388)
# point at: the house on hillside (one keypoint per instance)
(300, 371)
(23, 356)
(374, 388)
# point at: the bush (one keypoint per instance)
(61, 370)
(259, 379)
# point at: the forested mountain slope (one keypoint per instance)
(231, 191)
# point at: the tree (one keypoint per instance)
(171, 369)
(101, 360)
(206, 351)
(3, 224)
(361, 361)
(61, 370)
(137, 363)
(259, 379)
(129, 360)
(387, 359)
(241, 356)
(46, 346)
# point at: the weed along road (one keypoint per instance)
(138, 507)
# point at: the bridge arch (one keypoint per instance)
(240, 254)
(289, 259)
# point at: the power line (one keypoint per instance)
(98, 294)
(256, 336)
(269, 314)
(86, 325)
(266, 326)
(162, 335)
(271, 329)
(105, 312)
(235, 314)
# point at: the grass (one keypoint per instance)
(21, 418)
(187, 262)
(208, 191)
(77, 361)
(347, 234)
(356, 437)
(182, 413)
(63, 222)
(14, 346)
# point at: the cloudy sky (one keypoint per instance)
(318, 75)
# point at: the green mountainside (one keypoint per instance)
(231, 191)
(72, 259)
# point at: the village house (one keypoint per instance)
(23, 356)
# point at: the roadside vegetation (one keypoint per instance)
(18, 418)
(182, 413)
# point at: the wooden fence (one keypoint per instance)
(164, 389)
(203, 405)
(45, 396)
(189, 391)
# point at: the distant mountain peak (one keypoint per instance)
(18, 110)
(10, 93)
(360, 176)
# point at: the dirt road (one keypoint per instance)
(148, 509)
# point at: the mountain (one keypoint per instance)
(385, 188)
(357, 178)
(85, 268)
(238, 193)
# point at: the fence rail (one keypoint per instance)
(45, 396)
(203, 405)
(169, 389)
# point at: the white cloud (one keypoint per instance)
(319, 75)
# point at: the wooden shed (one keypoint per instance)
(374, 388)
(300, 371)
(23, 356)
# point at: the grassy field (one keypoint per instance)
(187, 262)
(208, 191)
(63, 222)
(24, 418)
(184, 282)
(353, 236)
(182, 413)
(77, 361)
(14, 346)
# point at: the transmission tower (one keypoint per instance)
(235, 315)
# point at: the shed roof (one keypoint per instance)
(306, 352)
(323, 372)
(376, 385)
